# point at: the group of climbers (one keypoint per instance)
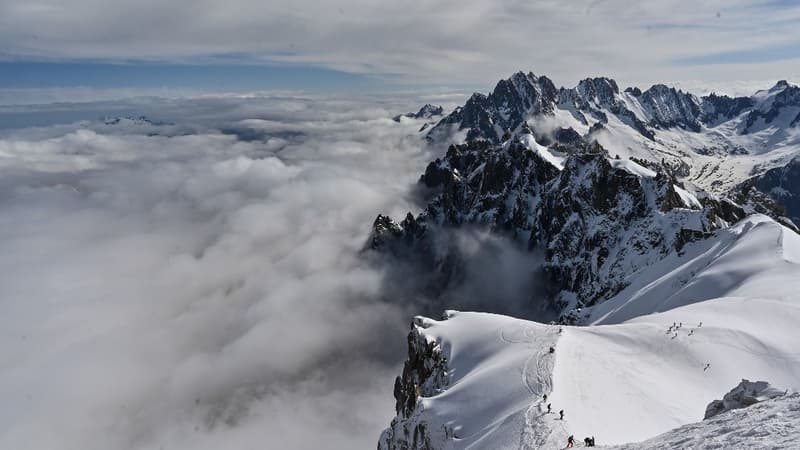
(673, 331)
(588, 441)
(549, 407)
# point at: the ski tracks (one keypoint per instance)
(539, 429)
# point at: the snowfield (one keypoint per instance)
(653, 359)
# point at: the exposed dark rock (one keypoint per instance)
(635, 91)
(426, 112)
(591, 220)
(669, 108)
(773, 193)
(424, 375)
(567, 136)
(783, 95)
(721, 107)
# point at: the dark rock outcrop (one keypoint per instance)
(595, 220)
(778, 98)
(424, 375)
(775, 193)
(426, 112)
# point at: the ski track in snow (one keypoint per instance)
(537, 376)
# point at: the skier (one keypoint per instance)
(706, 367)
(544, 398)
(587, 442)
(570, 441)
(701, 324)
(592, 442)
(691, 332)
(561, 413)
(548, 408)
(552, 350)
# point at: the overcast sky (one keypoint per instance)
(350, 43)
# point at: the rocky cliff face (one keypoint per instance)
(428, 111)
(595, 220)
(782, 101)
(719, 108)
(667, 108)
(776, 192)
(424, 375)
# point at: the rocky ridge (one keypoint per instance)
(595, 219)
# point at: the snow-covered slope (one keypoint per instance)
(755, 258)
(682, 334)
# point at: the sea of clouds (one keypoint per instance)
(197, 283)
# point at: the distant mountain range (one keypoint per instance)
(717, 142)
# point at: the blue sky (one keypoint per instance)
(98, 74)
(781, 52)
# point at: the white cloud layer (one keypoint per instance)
(198, 291)
(444, 41)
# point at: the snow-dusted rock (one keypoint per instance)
(782, 185)
(747, 393)
(596, 220)
(425, 374)
(428, 111)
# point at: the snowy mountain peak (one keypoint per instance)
(598, 88)
(668, 107)
(427, 111)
